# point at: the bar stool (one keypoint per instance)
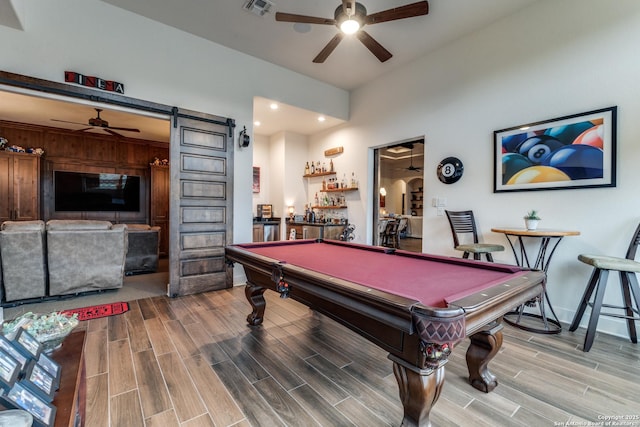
(627, 267)
(463, 222)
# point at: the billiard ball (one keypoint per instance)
(510, 143)
(513, 163)
(593, 137)
(578, 161)
(536, 148)
(567, 134)
(538, 174)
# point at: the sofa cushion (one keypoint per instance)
(22, 254)
(143, 249)
(82, 258)
(36, 225)
(77, 225)
(136, 227)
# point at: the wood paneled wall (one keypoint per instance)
(86, 151)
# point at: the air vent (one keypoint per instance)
(259, 7)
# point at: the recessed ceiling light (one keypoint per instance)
(274, 106)
(257, 123)
(301, 28)
(321, 119)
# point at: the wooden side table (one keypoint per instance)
(70, 399)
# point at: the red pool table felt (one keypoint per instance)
(432, 280)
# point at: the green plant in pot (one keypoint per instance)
(531, 219)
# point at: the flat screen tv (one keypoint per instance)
(80, 191)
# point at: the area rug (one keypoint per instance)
(97, 311)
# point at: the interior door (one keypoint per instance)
(201, 168)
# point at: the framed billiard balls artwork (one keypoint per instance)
(576, 151)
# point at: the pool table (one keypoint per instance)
(415, 306)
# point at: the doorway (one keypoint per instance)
(399, 189)
(200, 165)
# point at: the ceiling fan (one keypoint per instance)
(411, 167)
(99, 123)
(403, 148)
(350, 17)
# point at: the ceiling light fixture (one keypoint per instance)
(257, 123)
(350, 26)
(274, 106)
(321, 119)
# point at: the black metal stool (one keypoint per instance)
(627, 267)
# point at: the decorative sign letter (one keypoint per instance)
(91, 81)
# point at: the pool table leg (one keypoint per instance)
(255, 296)
(484, 346)
(419, 391)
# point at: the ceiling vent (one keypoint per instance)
(259, 7)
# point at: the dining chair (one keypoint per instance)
(465, 236)
(389, 237)
(627, 267)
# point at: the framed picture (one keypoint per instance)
(9, 370)
(256, 179)
(39, 381)
(27, 344)
(49, 365)
(577, 151)
(8, 347)
(44, 414)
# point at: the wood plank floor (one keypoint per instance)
(193, 361)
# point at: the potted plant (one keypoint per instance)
(531, 220)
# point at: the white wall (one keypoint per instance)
(553, 59)
(160, 64)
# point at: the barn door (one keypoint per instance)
(201, 201)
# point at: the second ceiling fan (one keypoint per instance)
(99, 122)
(350, 17)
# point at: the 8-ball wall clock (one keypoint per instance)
(450, 170)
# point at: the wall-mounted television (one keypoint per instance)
(82, 191)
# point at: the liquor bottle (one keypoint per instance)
(331, 165)
(324, 167)
(313, 168)
(324, 184)
(354, 181)
(306, 168)
(316, 200)
(318, 170)
(344, 181)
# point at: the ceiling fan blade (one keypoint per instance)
(291, 17)
(407, 11)
(127, 129)
(324, 53)
(65, 121)
(376, 48)
(112, 132)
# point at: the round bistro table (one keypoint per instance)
(548, 243)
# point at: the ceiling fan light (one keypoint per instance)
(350, 26)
